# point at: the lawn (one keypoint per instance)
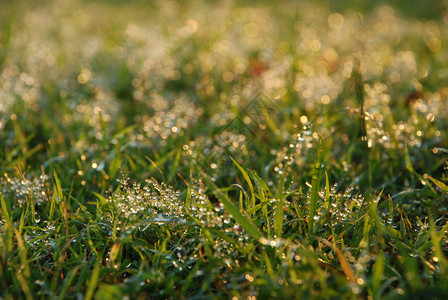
(223, 149)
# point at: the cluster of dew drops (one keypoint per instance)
(301, 143)
(35, 189)
(134, 201)
(341, 205)
(161, 202)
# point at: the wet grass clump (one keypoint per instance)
(221, 150)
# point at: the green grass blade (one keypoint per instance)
(244, 221)
(439, 256)
(5, 209)
(440, 184)
(278, 219)
(249, 182)
(7, 229)
(377, 276)
(392, 232)
(58, 192)
(315, 185)
(260, 182)
(100, 197)
(410, 168)
(327, 192)
(93, 282)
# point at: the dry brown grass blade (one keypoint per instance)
(345, 265)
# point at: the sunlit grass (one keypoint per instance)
(203, 150)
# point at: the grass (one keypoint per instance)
(199, 150)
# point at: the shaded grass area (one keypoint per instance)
(215, 150)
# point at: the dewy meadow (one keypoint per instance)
(223, 150)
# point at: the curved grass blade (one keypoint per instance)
(244, 221)
(440, 184)
(249, 182)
